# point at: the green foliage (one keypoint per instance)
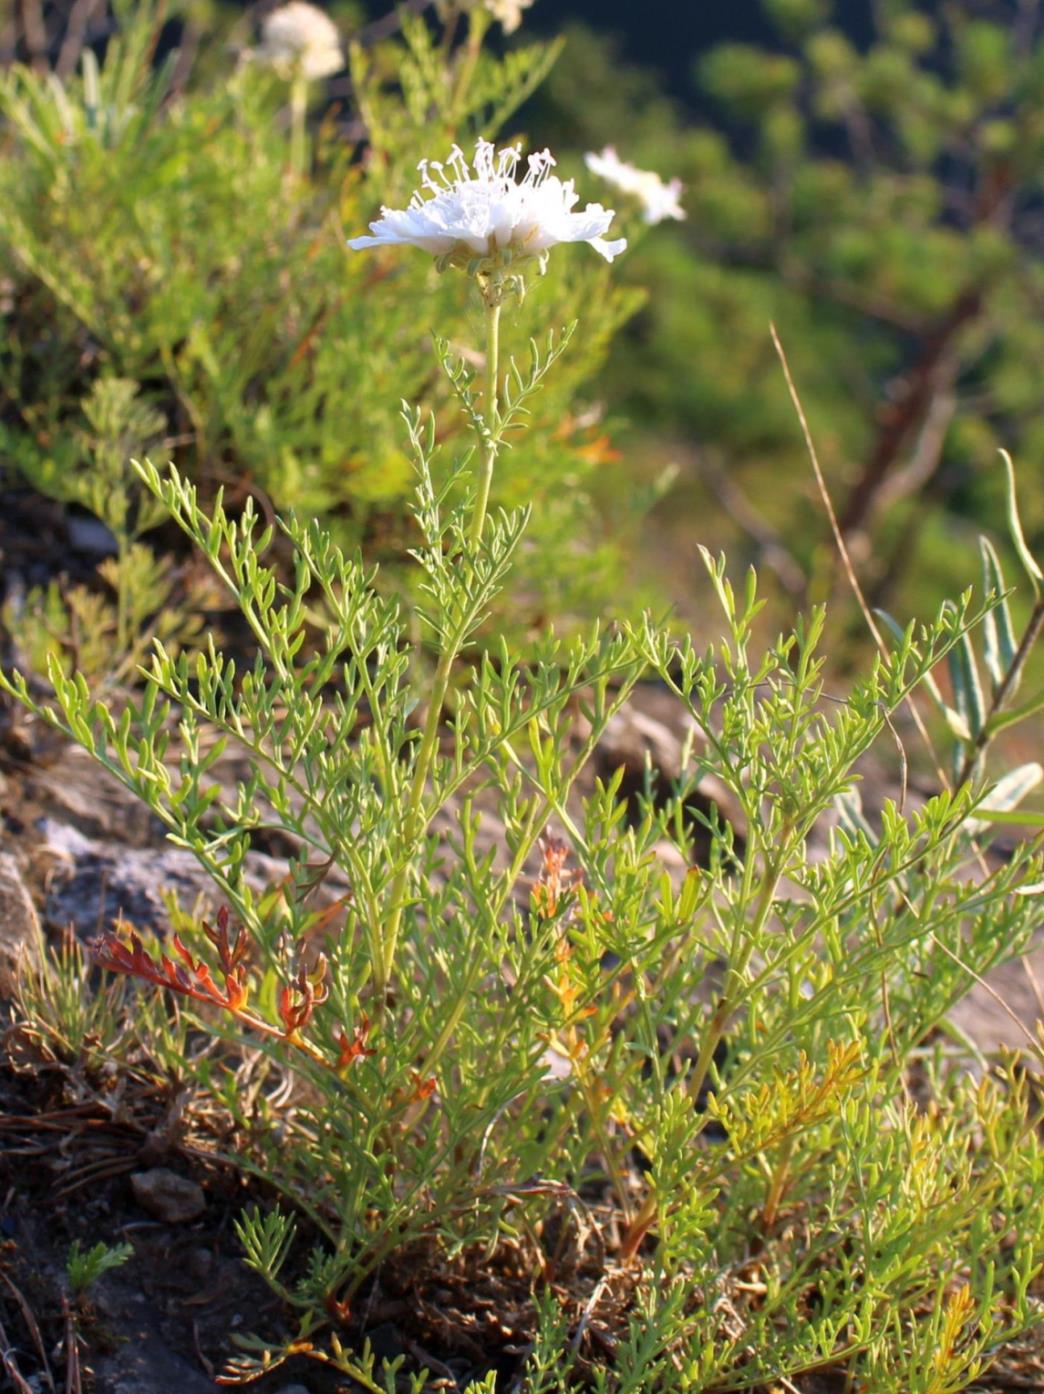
(84, 1267)
(877, 203)
(979, 714)
(104, 630)
(517, 995)
(171, 274)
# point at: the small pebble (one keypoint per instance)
(167, 1196)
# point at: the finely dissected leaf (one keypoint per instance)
(954, 720)
(1029, 563)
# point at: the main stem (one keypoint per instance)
(298, 120)
(413, 824)
(489, 457)
(739, 957)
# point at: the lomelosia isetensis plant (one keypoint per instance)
(658, 1083)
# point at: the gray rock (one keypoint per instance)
(20, 939)
(71, 787)
(167, 1196)
(92, 882)
(91, 536)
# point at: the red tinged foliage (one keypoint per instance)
(555, 886)
(422, 1088)
(297, 999)
(354, 1047)
(190, 976)
(180, 972)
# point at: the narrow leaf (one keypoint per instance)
(967, 692)
(1008, 792)
(1000, 721)
(1000, 803)
(1015, 818)
(1033, 571)
(999, 645)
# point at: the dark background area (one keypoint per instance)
(664, 34)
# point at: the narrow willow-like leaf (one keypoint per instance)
(999, 646)
(1006, 795)
(1011, 717)
(1032, 569)
(967, 689)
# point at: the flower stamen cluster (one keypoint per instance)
(483, 220)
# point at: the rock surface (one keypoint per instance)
(92, 882)
(143, 1363)
(20, 939)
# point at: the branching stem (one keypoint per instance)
(490, 442)
(718, 1024)
(413, 823)
(298, 116)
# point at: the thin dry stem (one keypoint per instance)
(843, 552)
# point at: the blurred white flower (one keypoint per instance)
(508, 12)
(484, 220)
(658, 200)
(298, 40)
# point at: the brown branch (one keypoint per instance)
(80, 17)
(34, 31)
(909, 409)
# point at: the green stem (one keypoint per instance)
(413, 823)
(489, 459)
(478, 23)
(122, 598)
(298, 116)
(718, 1024)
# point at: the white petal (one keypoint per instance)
(609, 250)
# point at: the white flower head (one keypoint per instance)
(658, 200)
(298, 40)
(484, 220)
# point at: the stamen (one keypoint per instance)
(459, 164)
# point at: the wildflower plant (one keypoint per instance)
(676, 1071)
(105, 632)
